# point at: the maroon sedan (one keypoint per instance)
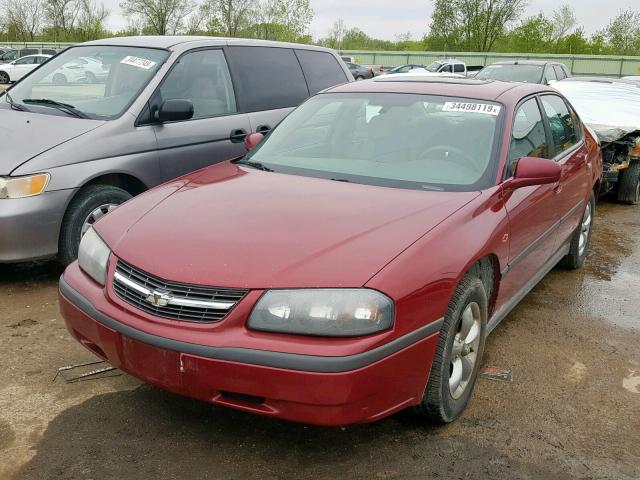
(354, 262)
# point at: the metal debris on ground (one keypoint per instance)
(495, 373)
(95, 374)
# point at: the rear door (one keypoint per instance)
(217, 129)
(570, 151)
(532, 211)
(270, 83)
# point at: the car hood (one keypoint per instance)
(25, 135)
(236, 227)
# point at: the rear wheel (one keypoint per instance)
(629, 184)
(359, 77)
(59, 79)
(4, 78)
(581, 239)
(458, 355)
(89, 206)
(90, 77)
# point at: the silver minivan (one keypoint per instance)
(133, 113)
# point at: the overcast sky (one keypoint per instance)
(388, 18)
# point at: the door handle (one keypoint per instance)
(238, 135)
(263, 129)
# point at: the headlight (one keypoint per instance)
(93, 256)
(20, 187)
(325, 312)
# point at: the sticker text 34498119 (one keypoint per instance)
(486, 108)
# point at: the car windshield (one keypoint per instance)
(387, 139)
(433, 67)
(99, 82)
(512, 73)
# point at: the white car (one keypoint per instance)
(79, 70)
(14, 71)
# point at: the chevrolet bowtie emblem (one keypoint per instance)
(158, 299)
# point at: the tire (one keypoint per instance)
(629, 184)
(581, 239)
(440, 403)
(359, 77)
(4, 78)
(90, 78)
(90, 204)
(59, 79)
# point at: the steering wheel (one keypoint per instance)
(460, 157)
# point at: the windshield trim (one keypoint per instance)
(486, 181)
(91, 116)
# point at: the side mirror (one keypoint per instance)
(174, 110)
(535, 171)
(551, 82)
(252, 140)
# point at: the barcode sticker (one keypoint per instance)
(472, 107)
(138, 62)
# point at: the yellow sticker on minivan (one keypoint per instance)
(138, 62)
(472, 107)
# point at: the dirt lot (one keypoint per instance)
(571, 411)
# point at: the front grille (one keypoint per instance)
(211, 304)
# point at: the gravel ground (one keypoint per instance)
(572, 409)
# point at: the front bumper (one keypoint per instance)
(313, 389)
(30, 227)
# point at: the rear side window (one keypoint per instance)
(528, 137)
(563, 123)
(458, 68)
(48, 51)
(559, 72)
(28, 51)
(550, 74)
(321, 70)
(268, 78)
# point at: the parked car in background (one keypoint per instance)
(527, 71)
(359, 72)
(403, 69)
(430, 208)
(169, 105)
(347, 59)
(14, 71)
(452, 65)
(611, 107)
(633, 78)
(14, 54)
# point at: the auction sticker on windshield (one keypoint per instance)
(472, 107)
(138, 62)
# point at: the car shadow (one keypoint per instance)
(148, 433)
(41, 271)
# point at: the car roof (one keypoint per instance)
(606, 80)
(37, 55)
(171, 42)
(444, 86)
(527, 62)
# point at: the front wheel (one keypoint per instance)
(89, 206)
(581, 239)
(458, 354)
(4, 78)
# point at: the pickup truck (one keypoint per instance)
(452, 65)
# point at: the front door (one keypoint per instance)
(216, 131)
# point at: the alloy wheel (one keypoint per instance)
(464, 352)
(585, 230)
(96, 215)
(4, 78)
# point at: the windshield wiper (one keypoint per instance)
(256, 165)
(65, 107)
(13, 104)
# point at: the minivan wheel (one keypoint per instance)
(4, 78)
(458, 354)
(59, 79)
(579, 247)
(89, 206)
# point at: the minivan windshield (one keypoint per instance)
(512, 73)
(387, 139)
(98, 82)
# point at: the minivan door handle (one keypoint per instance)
(238, 135)
(263, 129)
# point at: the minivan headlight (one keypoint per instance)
(324, 312)
(21, 187)
(93, 256)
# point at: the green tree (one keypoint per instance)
(159, 17)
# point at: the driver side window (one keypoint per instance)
(528, 136)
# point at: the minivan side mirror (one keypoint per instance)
(534, 171)
(252, 140)
(174, 110)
